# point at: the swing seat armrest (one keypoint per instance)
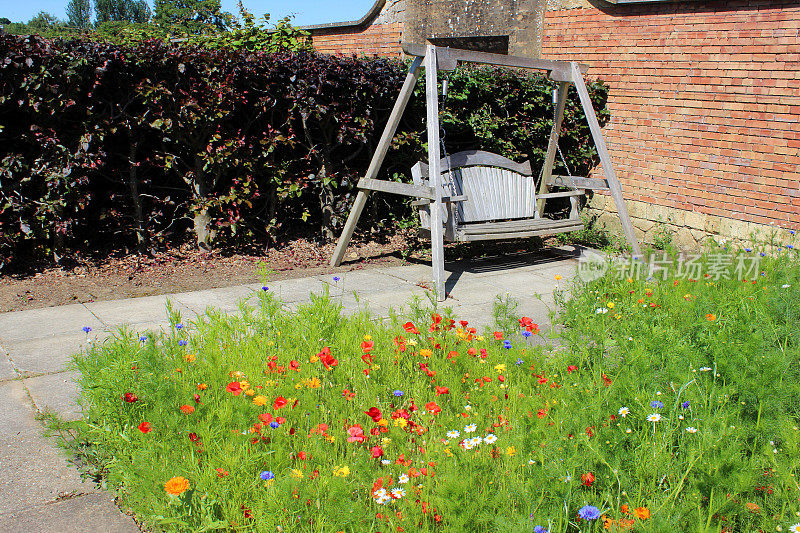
(445, 200)
(564, 194)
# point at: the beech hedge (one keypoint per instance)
(113, 148)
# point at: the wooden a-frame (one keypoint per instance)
(433, 59)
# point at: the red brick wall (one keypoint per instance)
(704, 100)
(378, 39)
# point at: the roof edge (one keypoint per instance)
(363, 21)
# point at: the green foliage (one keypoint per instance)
(254, 36)
(79, 13)
(696, 434)
(191, 17)
(132, 11)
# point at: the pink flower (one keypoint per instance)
(356, 434)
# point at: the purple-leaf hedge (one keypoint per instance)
(111, 148)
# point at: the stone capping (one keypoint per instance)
(618, 2)
(367, 19)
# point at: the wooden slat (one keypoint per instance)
(445, 200)
(377, 159)
(563, 194)
(487, 159)
(562, 68)
(513, 225)
(608, 169)
(595, 184)
(394, 187)
(518, 235)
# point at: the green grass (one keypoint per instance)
(728, 348)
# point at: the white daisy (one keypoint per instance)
(453, 434)
(402, 479)
(470, 428)
(383, 500)
(795, 528)
(385, 462)
(380, 493)
(398, 493)
(785, 286)
(655, 417)
(601, 311)
(691, 430)
(490, 439)
(705, 369)
(623, 411)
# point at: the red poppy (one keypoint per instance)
(587, 479)
(234, 387)
(463, 323)
(433, 408)
(196, 398)
(572, 368)
(356, 434)
(294, 365)
(328, 360)
(280, 402)
(130, 397)
(145, 427)
(374, 413)
(498, 335)
(222, 472)
(606, 380)
(367, 358)
(349, 395)
(366, 346)
(265, 417)
(541, 413)
(442, 390)
(193, 437)
(376, 452)
(187, 409)
(410, 328)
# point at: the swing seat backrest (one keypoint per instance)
(487, 196)
(495, 187)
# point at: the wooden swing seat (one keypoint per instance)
(486, 196)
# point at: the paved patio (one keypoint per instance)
(40, 487)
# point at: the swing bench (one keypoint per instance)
(479, 195)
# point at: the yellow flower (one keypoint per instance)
(375, 367)
(298, 386)
(383, 422)
(411, 342)
(558, 277)
(402, 422)
(296, 474)
(176, 485)
(312, 383)
(425, 352)
(448, 453)
(460, 333)
(511, 451)
(367, 337)
(189, 357)
(250, 392)
(500, 368)
(341, 471)
(330, 438)
(385, 441)
(479, 338)
(244, 384)
(610, 305)
(313, 359)
(259, 400)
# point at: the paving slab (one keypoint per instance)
(57, 393)
(7, 371)
(50, 354)
(21, 326)
(223, 299)
(35, 471)
(136, 310)
(88, 512)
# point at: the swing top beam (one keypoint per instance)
(448, 58)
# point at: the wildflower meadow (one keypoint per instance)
(652, 405)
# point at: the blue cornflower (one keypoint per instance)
(86, 329)
(655, 404)
(526, 333)
(266, 475)
(181, 343)
(540, 529)
(685, 404)
(589, 512)
(398, 393)
(336, 278)
(762, 254)
(790, 246)
(265, 288)
(791, 231)
(507, 344)
(519, 362)
(179, 326)
(143, 338)
(748, 250)
(274, 425)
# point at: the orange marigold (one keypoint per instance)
(176, 485)
(187, 409)
(642, 513)
(711, 317)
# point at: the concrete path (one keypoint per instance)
(41, 491)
